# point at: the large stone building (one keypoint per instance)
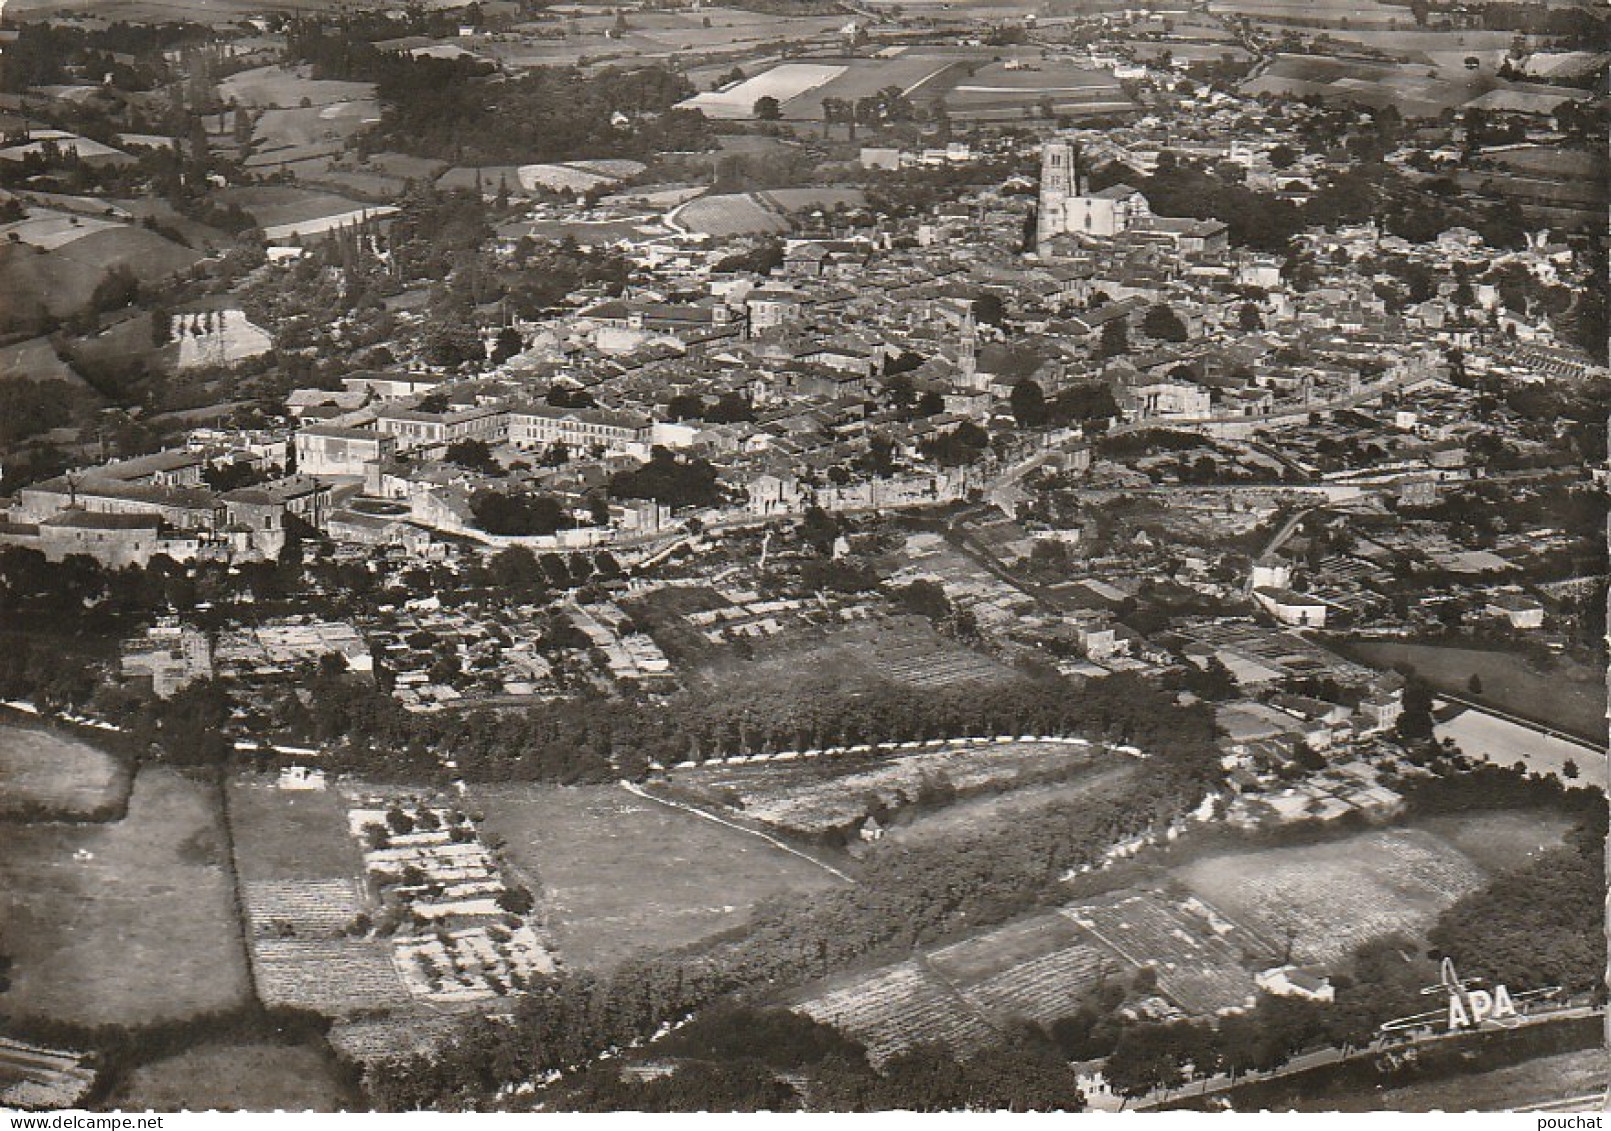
(1068, 207)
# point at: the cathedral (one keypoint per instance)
(1067, 207)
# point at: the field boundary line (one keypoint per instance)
(1517, 720)
(790, 849)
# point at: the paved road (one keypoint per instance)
(1321, 1057)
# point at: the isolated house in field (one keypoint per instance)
(1294, 981)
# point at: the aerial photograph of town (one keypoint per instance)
(803, 555)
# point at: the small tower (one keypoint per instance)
(1057, 184)
(968, 351)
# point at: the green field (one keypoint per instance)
(618, 873)
(291, 834)
(48, 772)
(1502, 840)
(124, 923)
(237, 1077)
(1566, 695)
(1334, 895)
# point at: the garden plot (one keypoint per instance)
(1199, 954)
(1331, 897)
(897, 1007)
(985, 956)
(307, 908)
(302, 906)
(45, 772)
(463, 935)
(463, 965)
(1043, 989)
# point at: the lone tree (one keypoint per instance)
(1164, 324)
(768, 109)
(1028, 404)
(1474, 684)
(1115, 339)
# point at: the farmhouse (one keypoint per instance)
(1295, 981)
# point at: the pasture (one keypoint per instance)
(286, 87)
(62, 280)
(47, 772)
(128, 922)
(619, 873)
(1503, 839)
(1340, 14)
(1332, 896)
(290, 834)
(236, 1077)
(1560, 693)
(918, 74)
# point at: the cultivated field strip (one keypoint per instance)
(330, 975)
(898, 1007)
(946, 669)
(40, 1079)
(1043, 989)
(369, 1039)
(306, 906)
(1199, 967)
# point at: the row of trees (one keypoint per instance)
(908, 896)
